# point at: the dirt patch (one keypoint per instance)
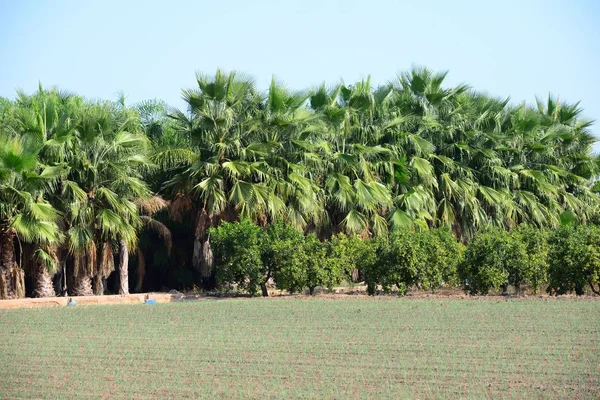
(336, 294)
(86, 300)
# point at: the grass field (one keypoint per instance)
(305, 348)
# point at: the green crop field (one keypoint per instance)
(305, 348)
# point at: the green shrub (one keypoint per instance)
(398, 262)
(290, 260)
(574, 260)
(535, 271)
(375, 270)
(248, 256)
(406, 259)
(452, 255)
(237, 249)
(426, 260)
(319, 271)
(284, 257)
(441, 253)
(494, 259)
(297, 262)
(347, 258)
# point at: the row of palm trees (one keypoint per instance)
(82, 182)
(72, 190)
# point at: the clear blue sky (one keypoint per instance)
(151, 49)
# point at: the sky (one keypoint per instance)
(152, 49)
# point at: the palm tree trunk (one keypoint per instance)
(82, 286)
(197, 254)
(206, 262)
(5, 264)
(12, 278)
(141, 270)
(3, 287)
(98, 285)
(123, 269)
(60, 280)
(18, 282)
(43, 286)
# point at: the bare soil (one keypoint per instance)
(340, 293)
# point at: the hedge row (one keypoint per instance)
(249, 257)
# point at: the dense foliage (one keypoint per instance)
(247, 257)
(343, 183)
(574, 260)
(494, 259)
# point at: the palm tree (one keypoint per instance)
(148, 208)
(103, 182)
(24, 214)
(227, 175)
(357, 170)
(413, 153)
(50, 117)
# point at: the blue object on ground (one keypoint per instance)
(72, 303)
(150, 301)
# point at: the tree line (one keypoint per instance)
(248, 258)
(91, 190)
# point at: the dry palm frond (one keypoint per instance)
(207, 259)
(90, 258)
(365, 234)
(161, 229)
(84, 261)
(141, 269)
(27, 258)
(3, 286)
(52, 250)
(77, 264)
(197, 254)
(230, 214)
(106, 262)
(17, 275)
(151, 205)
(179, 207)
(202, 223)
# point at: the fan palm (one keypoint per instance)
(49, 116)
(24, 213)
(103, 181)
(356, 167)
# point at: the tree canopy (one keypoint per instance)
(84, 180)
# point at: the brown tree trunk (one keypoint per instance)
(206, 263)
(12, 278)
(141, 270)
(98, 285)
(82, 286)
(6, 262)
(594, 290)
(17, 276)
(123, 268)
(43, 286)
(197, 254)
(264, 290)
(3, 287)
